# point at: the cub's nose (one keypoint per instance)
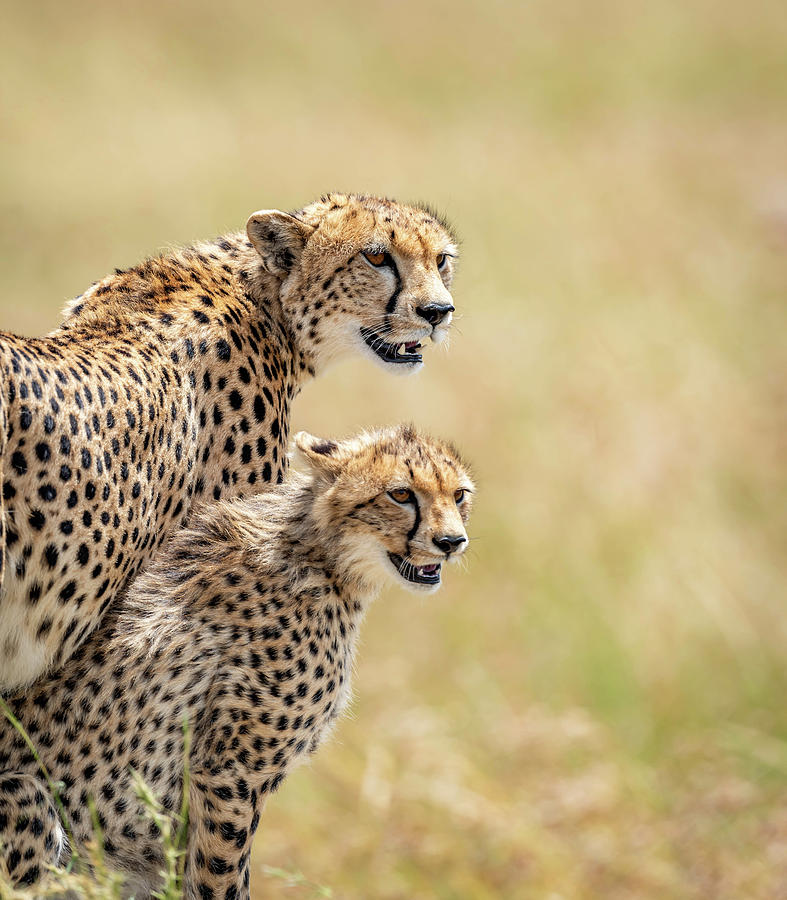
(448, 543)
(434, 313)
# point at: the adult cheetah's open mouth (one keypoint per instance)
(405, 352)
(417, 574)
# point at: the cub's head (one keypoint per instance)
(360, 274)
(392, 504)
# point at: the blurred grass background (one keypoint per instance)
(596, 708)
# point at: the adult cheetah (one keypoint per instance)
(247, 629)
(173, 381)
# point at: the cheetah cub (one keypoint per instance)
(247, 629)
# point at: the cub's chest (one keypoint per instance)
(310, 686)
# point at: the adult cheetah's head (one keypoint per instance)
(393, 504)
(361, 274)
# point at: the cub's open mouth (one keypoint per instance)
(417, 574)
(406, 352)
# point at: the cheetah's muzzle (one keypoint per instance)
(404, 352)
(417, 574)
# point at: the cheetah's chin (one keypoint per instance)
(402, 352)
(416, 574)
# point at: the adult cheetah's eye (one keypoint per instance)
(459, 495)
(440, 260)
(378, 259)
(401, 495)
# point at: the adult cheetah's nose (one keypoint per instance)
(434, 313)
(448, 543)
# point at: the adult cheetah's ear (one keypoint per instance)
(279, 239)
(324, 456)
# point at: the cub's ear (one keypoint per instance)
(324, 456)
(279, 239)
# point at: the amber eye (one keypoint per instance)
(377, 259)
(459, 495)
(440, 260)
(401, 495)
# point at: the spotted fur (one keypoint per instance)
(247, 629)
(172, 381)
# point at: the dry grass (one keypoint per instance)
(596, 708)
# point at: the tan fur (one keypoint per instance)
(172, 381)
(247, 629)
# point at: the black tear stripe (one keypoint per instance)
(416, 525)
(391, 305)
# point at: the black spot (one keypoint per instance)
(67, 592)
(51, 555)
(37, 519)
(31, 876)
(218, 866)
(324, 448)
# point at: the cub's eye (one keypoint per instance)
(459, 495)
(377, 259)
(401, 495)
(440, 260)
